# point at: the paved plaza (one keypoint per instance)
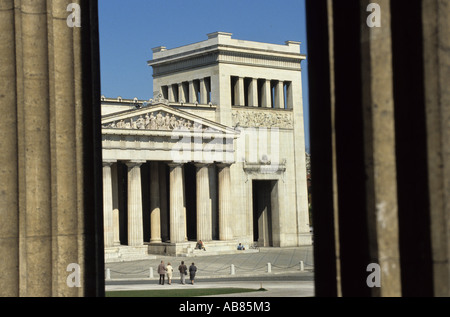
(283, 272)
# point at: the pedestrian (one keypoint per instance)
(200, 245)
(183, 272)
(169, 270)
(192, 270)
(161, 272)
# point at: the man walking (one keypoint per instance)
(183, 272)
(161, 272)
(192, 271)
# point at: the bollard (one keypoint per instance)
(302, 267)
(151, 272)
(232, 270)
(269, 267)
(108, 274)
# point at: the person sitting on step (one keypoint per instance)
(200, 245)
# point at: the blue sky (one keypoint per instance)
(130, 29)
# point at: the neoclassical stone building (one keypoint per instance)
(217, 155)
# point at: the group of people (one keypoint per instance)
(182, 268)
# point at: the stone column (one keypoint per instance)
(135, 225)
(155, 212)
(181, 95)
(239, 96)
(253, 93)
(170, 93)
(177, 215)
(266, 94)
(9, 156)
(203, 92)
(204, 216)
(115, 201)
(51, 175)
(436, 40)
(192, 92)
(279, 95)
(289, 96)
(225, 203)
(107, 205)
(36, 213)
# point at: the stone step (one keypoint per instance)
(197, 253)
(187, 248)
(127, 253)
(217, 248)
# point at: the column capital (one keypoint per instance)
(135, 163)
(175, 164)
(223, 165)
(109, 162)
(200, 164)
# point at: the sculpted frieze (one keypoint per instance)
(267, 119)
(158, 120)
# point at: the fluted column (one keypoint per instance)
(266, 95)
(177, 215)
(204, 215)
(279, 95)
(203, 92)
(170, 93)
(253, 93)
(108, 227)
(289, 96)
(239, 92)
(192, 92)
(115, 202)
(49, 140)
(9, 156)
(135, 226)
(225, 213)
(181, 94)
(155, 211)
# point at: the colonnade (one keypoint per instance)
(205, 195)
(256, 92)
(192, 91)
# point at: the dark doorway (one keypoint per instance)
(262, 212)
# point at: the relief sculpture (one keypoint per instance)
(156, 121)
(265, 119)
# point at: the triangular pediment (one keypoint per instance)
(162, 117)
